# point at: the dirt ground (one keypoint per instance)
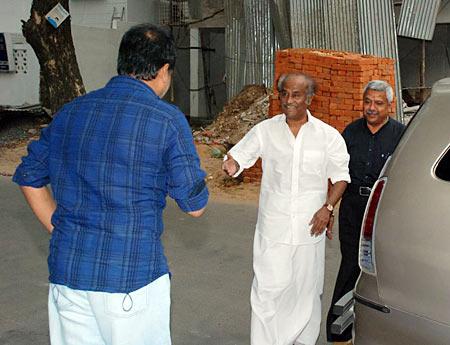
(15, 134)
(222, 187)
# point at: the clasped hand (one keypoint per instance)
(321, 221)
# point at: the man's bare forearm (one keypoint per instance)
(42, 204)
(336, 192)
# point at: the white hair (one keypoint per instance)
(310, 83)
(380, 85)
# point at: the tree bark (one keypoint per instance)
(60, 78)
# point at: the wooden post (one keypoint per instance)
(422, 67)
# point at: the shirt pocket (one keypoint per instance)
(313, 161)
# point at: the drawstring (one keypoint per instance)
(130, 302)
(127, 303)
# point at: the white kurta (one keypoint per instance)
(295, 174)
(288, 261)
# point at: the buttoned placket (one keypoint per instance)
(297, 156)
(370, 156)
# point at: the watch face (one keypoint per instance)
(330, 207)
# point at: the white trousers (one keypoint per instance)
(142, 317)
(286, 292)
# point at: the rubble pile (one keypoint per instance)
(240, 114)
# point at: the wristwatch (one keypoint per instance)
(329, 207)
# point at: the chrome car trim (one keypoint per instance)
(371, 304)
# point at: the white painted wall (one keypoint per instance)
(96, 51)
(97, 13)
(12, 11)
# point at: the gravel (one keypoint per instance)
(16, 127)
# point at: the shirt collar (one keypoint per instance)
(312, 121)
(385, 125)
(130, 82)
(315, 122)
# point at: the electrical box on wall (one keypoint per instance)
(7, 63)
(19, 82)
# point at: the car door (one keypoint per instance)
(412, 241)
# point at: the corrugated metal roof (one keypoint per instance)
(307, 24)
(250, 44)
(325, 24)
(341, 25)
(377, 36)
(280, 18)
(260, 39)
(418, 18)
(234, 46)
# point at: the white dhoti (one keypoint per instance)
(286, 292)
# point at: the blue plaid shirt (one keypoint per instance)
(111, 157)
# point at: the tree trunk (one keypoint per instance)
(60, 78)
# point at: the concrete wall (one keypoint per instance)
(96, 51)
(96, 13)
(12, 11)
(99, 13)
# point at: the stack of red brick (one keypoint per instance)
(340, 77)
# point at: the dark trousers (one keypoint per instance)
(351, 212)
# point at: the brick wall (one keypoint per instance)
(340, 77)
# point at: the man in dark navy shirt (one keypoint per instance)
(370, 141)
(112, 156)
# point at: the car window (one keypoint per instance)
(442, 169)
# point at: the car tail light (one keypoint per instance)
(366, 242)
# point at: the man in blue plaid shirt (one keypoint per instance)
(111, 157)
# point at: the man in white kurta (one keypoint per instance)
(299, 155)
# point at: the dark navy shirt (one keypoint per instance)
(368, 152)
(111, 157)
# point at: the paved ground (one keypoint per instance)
(210, 260)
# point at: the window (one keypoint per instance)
(442, 170)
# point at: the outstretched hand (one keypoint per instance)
(230, 166)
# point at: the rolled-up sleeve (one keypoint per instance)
(33, 171)
(186, 180)
(338, 159)
(247, 150)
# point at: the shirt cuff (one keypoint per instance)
(241, 169)
(24, 178)
(195, 203)
(340, 177)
